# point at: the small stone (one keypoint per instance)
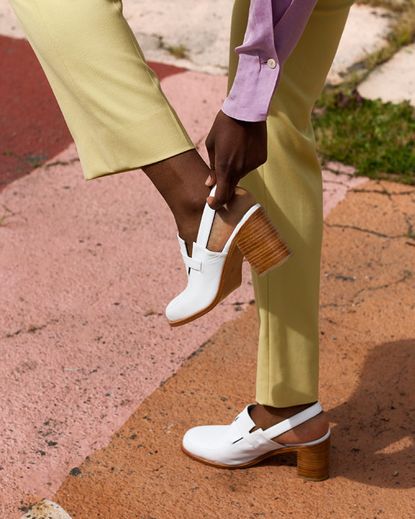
(45, 509)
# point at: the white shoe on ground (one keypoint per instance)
(234, 446)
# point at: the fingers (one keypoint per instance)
(225, 190)
(220, 174)
(210, 146)
(211, 180)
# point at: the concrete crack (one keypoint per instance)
(381, 192)
(61, 163)
(334, 305)
(367, 231)
(410, 233)
(8, 213)
(33, 328)
(407, 274)
(337, 183)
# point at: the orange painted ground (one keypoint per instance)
(367, 367)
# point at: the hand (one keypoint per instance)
(235, 148)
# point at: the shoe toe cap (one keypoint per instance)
(179, 308)
(184, 306)
(206, 441)
(172, 310)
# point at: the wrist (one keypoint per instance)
(243, 122)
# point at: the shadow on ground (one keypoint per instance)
(366, 362)
(372, 432)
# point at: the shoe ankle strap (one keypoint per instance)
(206, 222)
(293, 421)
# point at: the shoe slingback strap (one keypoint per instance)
(293, 421)
(206, 222)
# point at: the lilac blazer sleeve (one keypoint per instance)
(273, 30)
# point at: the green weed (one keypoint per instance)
(377, 138)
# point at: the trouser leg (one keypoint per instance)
(111, 100)
(289, 185)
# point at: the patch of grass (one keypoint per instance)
(377, 138)
(179, 51)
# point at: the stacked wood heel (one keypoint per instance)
(260, 243)
(313, 461)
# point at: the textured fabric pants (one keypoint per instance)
(120, 120)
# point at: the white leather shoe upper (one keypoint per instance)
(233, 444)
(204, 268)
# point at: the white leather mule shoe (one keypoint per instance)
(211, 276)
(234, 446)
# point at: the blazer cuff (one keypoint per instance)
(253, 87)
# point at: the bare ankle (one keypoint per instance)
(181, 182)
(283, 412)
(265, 416)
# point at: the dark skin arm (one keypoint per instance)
(235, 148)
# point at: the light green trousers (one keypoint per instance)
(289, 186)
(120, 120)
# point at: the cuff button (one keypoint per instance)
(271, 63)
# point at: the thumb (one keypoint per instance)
(210, 146)
(211, 180)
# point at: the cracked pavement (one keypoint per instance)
(97, 390)
(367, 364)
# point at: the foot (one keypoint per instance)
(241, 444)
(265, 416)
(225, 221)
(181, 182)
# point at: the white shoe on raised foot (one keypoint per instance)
(211, 276)
(234, 446)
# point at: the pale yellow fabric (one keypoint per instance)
(111, 100)
(120, 120)
(289, 186)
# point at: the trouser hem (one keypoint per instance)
(114, 150)
(285, 402)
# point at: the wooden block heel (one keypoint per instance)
(313, 461)
(260, 243)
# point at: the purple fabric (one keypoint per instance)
(273, 30)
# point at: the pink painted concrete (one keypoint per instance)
(337, 180)
(86, 270)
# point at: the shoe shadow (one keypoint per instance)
(373, 431)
